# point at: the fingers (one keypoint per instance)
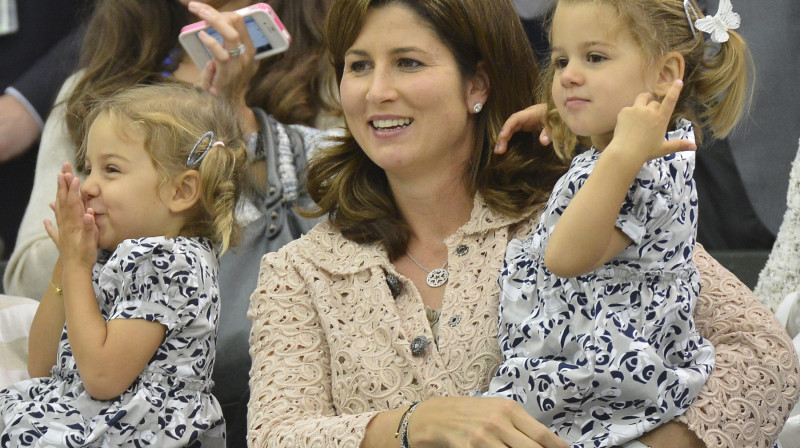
(673, 146)
(671, 98)
(527, 119)
(52, 230)
(642, 100)
(544, 138)
(207, 76)
(534, 430)
(230, 27)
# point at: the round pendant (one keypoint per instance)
(437, 277)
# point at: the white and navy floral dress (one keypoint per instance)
(605, 357)
(169, 281)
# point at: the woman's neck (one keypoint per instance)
(434, 210)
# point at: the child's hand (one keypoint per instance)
(641, 128)
(76, 233)
(527, 120)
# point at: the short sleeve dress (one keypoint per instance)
(169, 281)
(607, 356)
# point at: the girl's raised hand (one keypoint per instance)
(641, 128)
(75, 232)
(528, 120)
(227, 74)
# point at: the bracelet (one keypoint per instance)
(402, 428)
(59, 290)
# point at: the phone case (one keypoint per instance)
(263, 42)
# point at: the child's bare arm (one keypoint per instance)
(586, 236)
(46, 328)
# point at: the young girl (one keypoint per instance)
(596, 306)
(122, 345)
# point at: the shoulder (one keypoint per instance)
(161, 255)
(324, 248)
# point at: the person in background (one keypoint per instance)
(372, 329)
(40, 52)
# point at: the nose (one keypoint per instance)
(381, 86)
(90, 188)
(571, 75)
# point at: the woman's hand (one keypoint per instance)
(477, 422)
(75, 232)
(672, 434)
(527, 120)
(227, 74)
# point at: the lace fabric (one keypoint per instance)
(331, 344)
(781, 274)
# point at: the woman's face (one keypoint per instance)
(404, 98)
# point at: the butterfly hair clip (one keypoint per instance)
(716, 26)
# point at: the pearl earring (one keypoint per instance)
(477, 108)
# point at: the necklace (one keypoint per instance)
(436, 277)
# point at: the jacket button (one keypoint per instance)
(462, 250)
(394, 285)
(273, 215)
(418, 345)
(454, 321)
(271, 227)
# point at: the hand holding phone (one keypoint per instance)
(266, 31)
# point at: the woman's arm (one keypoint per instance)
(756, 380)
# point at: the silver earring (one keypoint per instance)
(477, 108)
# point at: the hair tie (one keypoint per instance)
(715, 26)
(194, 157)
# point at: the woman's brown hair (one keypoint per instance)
(354, 192)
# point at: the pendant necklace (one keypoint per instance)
(436, 277)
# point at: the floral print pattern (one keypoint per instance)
(169, 281)
(607, 356)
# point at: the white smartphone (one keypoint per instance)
(268, 34)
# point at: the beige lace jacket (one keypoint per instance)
(331, 344)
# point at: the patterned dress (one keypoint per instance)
(607, 356)
(169, 281)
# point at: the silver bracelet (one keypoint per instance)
(402, 428)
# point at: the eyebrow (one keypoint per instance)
(594, 43)
(395, 51)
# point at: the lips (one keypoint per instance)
(575, 101)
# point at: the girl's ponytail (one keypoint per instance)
(721, 85)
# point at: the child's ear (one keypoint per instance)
(672, 67)
(184, 191)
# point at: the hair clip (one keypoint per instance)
(716, 26)
(194, 157)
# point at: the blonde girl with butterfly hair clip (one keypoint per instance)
(123, 343)
(596, 323)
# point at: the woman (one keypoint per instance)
(393, 300)
(136, 41)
